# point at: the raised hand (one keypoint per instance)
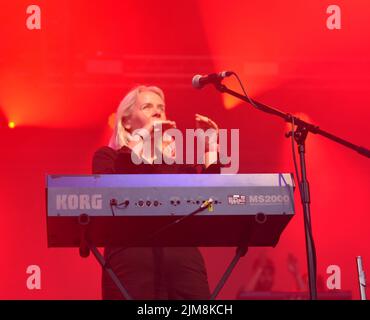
(204, 122)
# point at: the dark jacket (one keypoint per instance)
(152, 273)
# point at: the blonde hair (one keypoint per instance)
(120, 136)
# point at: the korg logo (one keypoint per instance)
(79, 201)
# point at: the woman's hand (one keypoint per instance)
(141, 137)
(211, 141)
(205, 123)
(167, 145)
(165, 124)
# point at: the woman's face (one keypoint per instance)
(149, 107)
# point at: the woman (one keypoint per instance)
(150, 273)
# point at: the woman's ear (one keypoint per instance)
(126, 124)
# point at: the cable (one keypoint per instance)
(113, 203)
(111, 209)
(294, 157)
(306, 219)
(289, 188)
(202, 207)
(244, 91)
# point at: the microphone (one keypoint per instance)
(200, 81)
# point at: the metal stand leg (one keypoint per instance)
(240, 252)
(300, 137)
(110, 272)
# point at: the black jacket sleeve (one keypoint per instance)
(213, 168)
(104, 161)
(108, 161)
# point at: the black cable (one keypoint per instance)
(289, 188)
(296, 167)
(294, 157)
(111, 209)
(204, 206)
(292, 135)
(245, 92)
(306, 219)
(113, 203)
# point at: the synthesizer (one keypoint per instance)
(122, 210)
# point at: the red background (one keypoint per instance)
(60, 84)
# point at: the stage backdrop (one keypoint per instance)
(65, 66)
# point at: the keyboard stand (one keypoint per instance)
(107, 268)
(240, 252)
(86, 246)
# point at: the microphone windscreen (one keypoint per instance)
(196, 81)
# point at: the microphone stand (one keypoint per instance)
(300, 135)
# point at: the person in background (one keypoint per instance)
(263, 275)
